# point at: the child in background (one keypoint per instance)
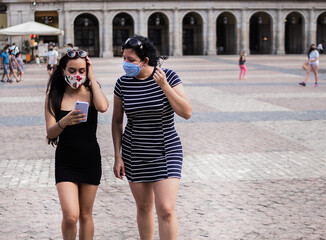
(37, 60)
(20, 66)
(243, 68)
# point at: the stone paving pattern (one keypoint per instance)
(254, 154)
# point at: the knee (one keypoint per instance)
(145, 208)
(70, 220)
(166, 213)
(85, 216)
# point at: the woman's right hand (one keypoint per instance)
(119, 168)
(72, 118)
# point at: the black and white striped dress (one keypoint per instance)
(151, 147)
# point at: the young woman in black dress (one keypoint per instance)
(77, 158)
(151, 156)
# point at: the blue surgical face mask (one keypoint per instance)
(132, 70)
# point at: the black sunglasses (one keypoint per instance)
(133, 42)
(80, 53)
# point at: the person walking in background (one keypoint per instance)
(320, 47)
(77, 158)
(70, 47)
(5, 64)
(13, 65)
(243, 68)
(313, 59)
(20, 66)
(37, 60)
(151, 156)
(51, 59)
(15, 48)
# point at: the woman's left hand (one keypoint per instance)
(91, 76)
(159, 77)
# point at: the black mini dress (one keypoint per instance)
(78, 157)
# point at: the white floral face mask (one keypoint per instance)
(75, 81)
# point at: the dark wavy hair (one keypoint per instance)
(56, 88)
(143, 48)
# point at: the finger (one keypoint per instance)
(88, 60)
(160, 70)
(118, 174)
(123, 171)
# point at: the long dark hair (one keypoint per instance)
(143, 48)
(56, 88)
(311, 49)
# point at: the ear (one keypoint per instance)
(146, 61)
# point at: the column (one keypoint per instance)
(177, 34)
(280, 33)
(211, 33)
(244, 32)
(107, 35)
(312, 32)
(142, 24)
(61, 19)
(68, 34)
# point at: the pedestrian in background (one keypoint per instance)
(51, 59)
(242, 65)
(13, 64)
(320, 47)
(77, 158)
(70, 47)
(5, 64)
(313, 60)
(15, 48)
(20, 66)
(151, 156)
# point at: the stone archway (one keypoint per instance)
(158, 32)
(226, 34)
(192, 34)
(86, 29)
(321, 29)
(294, 25)
(123, 28)
(260, 34)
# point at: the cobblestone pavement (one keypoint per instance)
(254, 165)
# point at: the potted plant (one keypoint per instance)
(27, 49)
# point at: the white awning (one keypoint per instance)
(31, 28)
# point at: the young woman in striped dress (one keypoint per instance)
(151, 152)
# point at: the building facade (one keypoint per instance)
(176, 27)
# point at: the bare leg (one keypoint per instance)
(87, 195)
(315, 70)
(165, 197)
(308, 73)
(68, 195)
(144, 197)
(15, 76)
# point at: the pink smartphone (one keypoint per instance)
(83, 107)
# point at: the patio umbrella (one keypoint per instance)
(31, 28)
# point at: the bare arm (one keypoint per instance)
(176, 96)
(99, 99)
(117, 127)
(54, 128)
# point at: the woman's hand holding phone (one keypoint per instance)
(72, 118)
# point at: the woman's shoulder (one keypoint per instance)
(169, 72)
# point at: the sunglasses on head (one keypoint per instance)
(133, 42)
(80, 53)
